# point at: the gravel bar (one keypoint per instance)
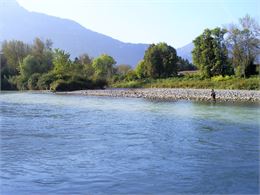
(174, 94)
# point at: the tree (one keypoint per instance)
(45, 80)
(184, 64)
(103, 66)
(61, 61)
(122, 69)
(43, 52)
(85, 59)
(131, 75)
(141, 70)
(160, 61)
(14, 53)
(244, 41)
(29, 66)
(38, 48)
(210, 54)
(33, 80)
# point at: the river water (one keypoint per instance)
(68, 144)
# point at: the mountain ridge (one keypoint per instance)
(18, 23)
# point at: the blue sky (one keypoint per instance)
(176, 22)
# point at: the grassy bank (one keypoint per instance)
(219, 82)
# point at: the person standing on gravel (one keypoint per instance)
(213, 95)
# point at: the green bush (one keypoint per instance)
(33, 80)
(6, 84)
(221, 78)
(77, 84)
(218, 82)
(99, 84)
(19, 81)
(45, 81)
(131, 75)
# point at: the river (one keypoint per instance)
(68, 144)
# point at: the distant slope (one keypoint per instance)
(20, 24)
(185, 52)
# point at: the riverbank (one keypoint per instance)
(174, 94)
(194, 82)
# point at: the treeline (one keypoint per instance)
(39, 67)
(234, 50)
(217, 52)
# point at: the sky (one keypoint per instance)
(176, 22)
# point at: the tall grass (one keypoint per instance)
(219, 82)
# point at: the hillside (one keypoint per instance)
(18, 23)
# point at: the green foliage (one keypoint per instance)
(103, 66)
(37, 66)
(244, 39)
(45, 81)
(226, 82)
(6, 74)
(76, 84)
(131, 75)
(184, 65)
(6, 84)
(85, 62)
(221, 78)
(30, 65)
(99, 83)
(85, 59)
(160, 61)
(210, 54)
(61, 61)
(21, 61)
(89, 71)
(14, 53)
(141, 70)
(33, 80)
(122, 69)
(131, 84)
(19, 81)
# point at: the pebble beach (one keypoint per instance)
(175, 94)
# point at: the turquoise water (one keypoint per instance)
(65, 144)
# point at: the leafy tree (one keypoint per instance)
(45, 80)
(131, 75)
(160, 61)
(86, 65)
(14, 53)
(61, 61)
(103, 66)
(140, 70)
(38, 61)
(89, 71)
(33, 80)
(184, 64)
(19, 81)
(38, 48)
(31, 65)
(85, 59)
(210, 54)
(122, 69)
(6, 73)
(244, 41)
